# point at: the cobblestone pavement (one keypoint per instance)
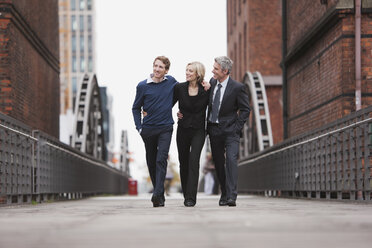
(131, 221)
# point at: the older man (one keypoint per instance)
(228, 110)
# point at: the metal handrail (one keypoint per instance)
(249, 160)
(331, 162)
(36, 166)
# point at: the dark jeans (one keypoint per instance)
(190, 142)
(157, 142)
(225, 149)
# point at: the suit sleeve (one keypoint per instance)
(243, 106)
(137, 107)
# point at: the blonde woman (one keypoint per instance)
(192, 101)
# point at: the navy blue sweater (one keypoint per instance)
(157, 100)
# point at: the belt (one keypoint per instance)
(212, 124)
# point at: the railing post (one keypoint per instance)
(339, 163)
(36, 167)
(367, 155)
(359, 167)
(2, 168)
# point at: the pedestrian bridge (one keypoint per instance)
(332, 162)
(309, 171)
(131, 221)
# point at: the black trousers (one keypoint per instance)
(190, 142)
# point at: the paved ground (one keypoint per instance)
(128, 221)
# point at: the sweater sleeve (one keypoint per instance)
(137, 107)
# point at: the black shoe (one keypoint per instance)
(157, 201)
(189, 203)
(231, 203)
(222, 202)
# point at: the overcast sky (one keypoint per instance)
(130, 34)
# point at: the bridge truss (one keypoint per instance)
(257, 133)
(88, 136)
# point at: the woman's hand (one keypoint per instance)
(179, 115)
(144, 113)
(206, 85)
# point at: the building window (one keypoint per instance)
(240, 59)
(82, 43)
(73, 43)
(90, 45)
(81, 23)
(74, 85)
(234, 14)
(82, 4)
(73, 4)
(89, 4)
(89, 23)
(245, 47)
(74, 64)
(230, 20)
(234, 58)
(74, 91)
(90, 64)
(82, 64)
(73, 23)
(61, 20)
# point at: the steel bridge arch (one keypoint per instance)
(88, 135)
(257, 133)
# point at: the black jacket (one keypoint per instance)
(193, 108)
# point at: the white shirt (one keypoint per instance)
(149, 79)
(223, 84)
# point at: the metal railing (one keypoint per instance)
(332, 162)
(35, 166)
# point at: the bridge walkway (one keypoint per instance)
(131, 221)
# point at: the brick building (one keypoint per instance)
(319, 61)
(254, 44)
(29, 66)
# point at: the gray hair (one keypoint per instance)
(225, 63)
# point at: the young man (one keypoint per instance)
(228, 110)
(155, 97)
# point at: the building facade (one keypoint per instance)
(77, 54)
(321, 62)
(29, 63)
(108, 124)
(254, 44)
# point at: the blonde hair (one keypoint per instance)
(199, 69)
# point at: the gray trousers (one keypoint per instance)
(225, 149)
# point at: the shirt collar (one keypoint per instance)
(224, 83)
(149, 79)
